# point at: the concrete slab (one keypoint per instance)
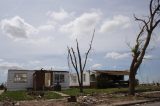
(130, 103)
(126, 103)
(151, 92)
(62, 94)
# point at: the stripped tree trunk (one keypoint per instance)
(76, 61)
(143, 40)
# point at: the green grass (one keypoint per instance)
(15, 95)
(23, 95)
(75, 91)
(51, 95)
(147, 88)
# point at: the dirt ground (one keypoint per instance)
(39, 103)
(89, 100)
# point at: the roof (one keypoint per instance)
(113, 72)
(37, 70)
(19, 70)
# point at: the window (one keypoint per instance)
(74, 79)
(56, 78)
(59, 78)
(92, 78)
(20, 77)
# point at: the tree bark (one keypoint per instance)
(143, 40)
(81, 85)
(131, 82)
(75, 63)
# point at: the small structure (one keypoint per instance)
(48, 79)
(74, 79)
(36, 79)
(101, 78)
(19, 79)
(42, 80)
(111, 78)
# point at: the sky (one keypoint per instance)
(34, 34)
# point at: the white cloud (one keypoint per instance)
(4, 66)
(148, 56)
(119, 21)
(41, 42)
(1, 60)
(96, 66)
(88, 59)
(46, 27)
(16, 27)
(8, 65)
(34, 62)
(82, 24)
(115, 55)
(58, 16)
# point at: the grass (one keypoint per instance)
(52, 95)
(15, 95)
(23, 95)
(75, 91)
(147, 88)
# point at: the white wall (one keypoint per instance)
(12, 85)
(85, 83)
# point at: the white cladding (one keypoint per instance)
(12, 85)
(74, 79)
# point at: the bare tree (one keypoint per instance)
(76, 60)
(148, 25)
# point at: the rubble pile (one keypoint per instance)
(155, 94)
(92, 100)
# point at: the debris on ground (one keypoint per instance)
(94, 99)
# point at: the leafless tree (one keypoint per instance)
(144, 36)
(76, 60)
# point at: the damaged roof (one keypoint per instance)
(113, 72)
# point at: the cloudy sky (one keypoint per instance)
(36, 33)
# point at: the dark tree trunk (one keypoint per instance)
(132, 82)
(73, 58)
(81, 87)
(143, 40)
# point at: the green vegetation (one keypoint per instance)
(15, 95)
(52, 95)
(147, 88)
(75, 91)
(23, 95)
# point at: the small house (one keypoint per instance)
(111, 78)
(101, 78)
(36, 79)
(19, 79)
